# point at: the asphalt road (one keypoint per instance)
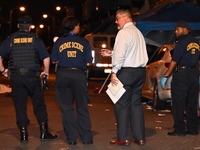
(157, 124)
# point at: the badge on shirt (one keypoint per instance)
(193, 47)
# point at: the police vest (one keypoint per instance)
(23, 53)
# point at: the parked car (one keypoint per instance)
(155, 70)
(100, 66)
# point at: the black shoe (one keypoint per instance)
(190, 133)
(72, 143)
(45, 135)
(23, 134)
(175, 134)
(89, 142)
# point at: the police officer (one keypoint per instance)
(184, 84)
(25, 51)
(72, 52)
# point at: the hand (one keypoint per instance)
(45, 74)
(114, 79)
(163, 81)
(106, 52)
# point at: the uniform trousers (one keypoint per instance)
(185, 91)
(71, 93)
(129, 110)
(22, 87)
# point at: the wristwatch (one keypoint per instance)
(2, 71)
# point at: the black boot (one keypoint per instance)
(45, 135)
(23, 134)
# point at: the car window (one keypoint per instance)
(100, 42)
(152, 52)
(112, 41)
(171, 52)
(160, 54)
(153, 57)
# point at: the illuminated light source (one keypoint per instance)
(32, 26)
(103, 45)
(45, 15)
(103, 65)
(93, 55)
(107, 70)
(58, 8)
(41, 26)
(164, 49)
(22, 8)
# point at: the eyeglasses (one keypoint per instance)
(117, 18)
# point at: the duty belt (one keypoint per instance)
(133, 67)
(70, 68)
(178, 68)
(24, 71)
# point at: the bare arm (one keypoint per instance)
(1, 64)
(172, 65)
(46, 63)
(2, 69)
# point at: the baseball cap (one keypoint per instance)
(183, 24)
(25, 20)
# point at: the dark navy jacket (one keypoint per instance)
(72, 51)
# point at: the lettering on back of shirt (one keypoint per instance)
(23, 40)
(71, 45)
(71, 53)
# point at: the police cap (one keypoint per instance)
(182, 24)
(25, 20)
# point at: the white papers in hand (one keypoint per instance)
(115, 92)
(115, 88)
(117, 96)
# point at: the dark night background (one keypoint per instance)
(91, 13)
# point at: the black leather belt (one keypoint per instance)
(179, 68)
(184, 67)
(132, 67)
(70, 68)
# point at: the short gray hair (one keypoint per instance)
(124, 12)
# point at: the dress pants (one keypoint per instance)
(129, 110)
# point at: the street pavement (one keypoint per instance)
(157, 124)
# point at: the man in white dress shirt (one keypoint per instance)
(129, 58)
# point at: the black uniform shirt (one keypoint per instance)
(186, 52)
(72, 51)
(40, 48)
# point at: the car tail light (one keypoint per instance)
(167, 65)
(103, 65)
